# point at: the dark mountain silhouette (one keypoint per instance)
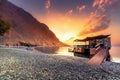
(25, 27)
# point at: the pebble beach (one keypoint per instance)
(22, 64)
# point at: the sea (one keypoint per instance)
(63, 51)
(115, 54)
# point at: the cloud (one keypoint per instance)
(47, 4)
(69, 12)
(96, 22)
(99, 19)
(80, 8)
(103, 4)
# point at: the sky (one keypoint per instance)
(71, 19)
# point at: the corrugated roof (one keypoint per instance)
(92, 38)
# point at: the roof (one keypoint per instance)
(92, 38)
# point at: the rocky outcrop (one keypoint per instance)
(25, 27)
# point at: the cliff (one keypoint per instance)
(25, 27)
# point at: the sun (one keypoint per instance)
(66, 37)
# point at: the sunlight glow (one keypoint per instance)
(67, 36)
(64, 26)
(63, 52)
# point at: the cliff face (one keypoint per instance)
(25, 27)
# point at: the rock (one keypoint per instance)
(18, 64)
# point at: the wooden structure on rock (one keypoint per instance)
(97, 47)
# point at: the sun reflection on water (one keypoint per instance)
(64, 51)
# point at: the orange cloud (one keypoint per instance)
(47, 4)
(69, 12)
(96, 22)
(102, 4)
(81, 8)
(99, 19)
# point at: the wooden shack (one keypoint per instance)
(91, 45)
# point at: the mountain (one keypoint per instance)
(25, 27)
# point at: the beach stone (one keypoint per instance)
(17, 64)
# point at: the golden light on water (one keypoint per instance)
(65, 54)
(63, 51)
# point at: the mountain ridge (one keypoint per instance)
(25, 27)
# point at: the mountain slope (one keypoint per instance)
(25, 27)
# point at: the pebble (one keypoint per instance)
(21, 65)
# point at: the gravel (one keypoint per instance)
(20, 64)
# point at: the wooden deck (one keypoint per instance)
(99, 57)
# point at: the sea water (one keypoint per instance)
(114, 52)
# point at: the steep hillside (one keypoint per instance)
(25, 27)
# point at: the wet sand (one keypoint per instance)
(21, 64)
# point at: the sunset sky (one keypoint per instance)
(76, 18)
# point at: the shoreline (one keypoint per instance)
(52, 50)
(23, 64)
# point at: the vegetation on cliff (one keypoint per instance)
(4, 26)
